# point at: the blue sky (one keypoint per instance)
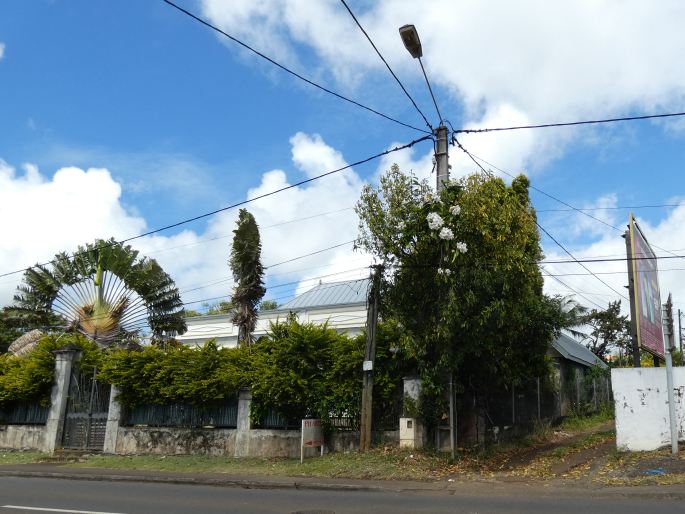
(180, 121)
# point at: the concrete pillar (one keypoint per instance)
(242, 436)
(113, 422)
(54, 427)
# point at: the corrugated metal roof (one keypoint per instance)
(573, 350)
(335, 293)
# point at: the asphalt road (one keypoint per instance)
(32, 495)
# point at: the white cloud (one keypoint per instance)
(42, 215)
(75, 206)
(505, 63)
(664, 235)
(2, 50)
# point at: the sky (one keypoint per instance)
(119, 118)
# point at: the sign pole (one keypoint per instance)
(631, 295)
(668, 330)
(302, 444)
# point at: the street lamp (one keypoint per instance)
(412, 42)
(410, 38)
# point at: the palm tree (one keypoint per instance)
(245, 262)
(105, 291)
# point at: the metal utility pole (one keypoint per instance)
(668, 332)
(369, 357)
(680, 333)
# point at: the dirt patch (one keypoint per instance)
(585, 456)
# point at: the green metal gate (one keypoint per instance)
(86, 417)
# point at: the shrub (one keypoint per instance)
(30, 378)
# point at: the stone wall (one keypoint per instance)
(174, 441)
(23, 437)
(641, 402)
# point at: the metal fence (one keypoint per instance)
(274, 420)
(219, 415)
(516, 410)
(24, 414)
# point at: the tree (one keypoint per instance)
(220, 308)
(9, 329)
(104, 291)
(608, 330)
(268, 305)
(462, 278)
(245, 262)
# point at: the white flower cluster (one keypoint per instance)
(401, 225)
(446, 233)
(444, 271)
(434, 221)
(461, 246)
(455, 210)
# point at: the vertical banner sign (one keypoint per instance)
(646, 297)
(312, 436)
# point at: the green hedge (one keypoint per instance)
(30, 378)
(297, 369)
(176, 374)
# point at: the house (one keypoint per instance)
(576, 388)
(340, 304)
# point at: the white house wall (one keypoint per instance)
(345, 319)
(641, 402)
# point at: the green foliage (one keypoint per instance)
(289, 369)
(268, 305)
(176, 374)
(245, 262)
(306, 369)
(609, 330)
(30, 378)
(35, 297)
(10, 329)
(479, 314)
(221, 308)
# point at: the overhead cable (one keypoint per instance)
(386, 64)
(571, 123)
(244, 202)
(288, 70)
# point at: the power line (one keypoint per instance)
(459, 145)
(224, 236)
(310, 254)
(544, 272)
(570, 123)
(226, 279)
(581, 211)
(661, 270)
(454, 138)
(244, 202)
(386, 64)
(578, 262)
(617, 207)
(288, 70)
(617, 259)
(283, 285)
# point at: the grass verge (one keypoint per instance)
(20, 457)
(381, 464)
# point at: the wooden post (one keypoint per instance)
(369, 357)
(513, 404)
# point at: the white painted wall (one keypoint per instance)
(641, 401)
(349, 319)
